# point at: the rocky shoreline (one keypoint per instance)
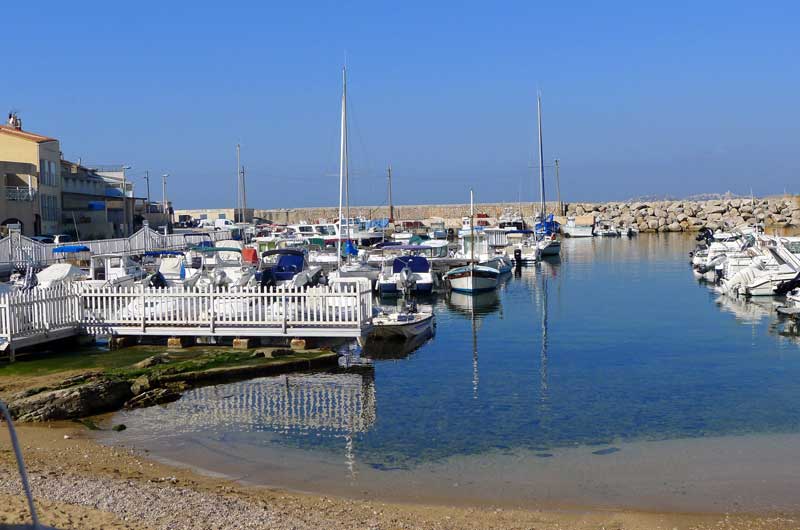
(690, 216)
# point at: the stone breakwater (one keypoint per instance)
(687, 216)
(650, 216)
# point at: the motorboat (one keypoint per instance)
(288, 267)
(472, 278)
(603, 228)
(774, 273)
(548, 245)
(114, 270)
(573, 229)
(406, 274)
(407, 323)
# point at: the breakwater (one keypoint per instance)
(648, 216)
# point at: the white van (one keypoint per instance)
(224, 224)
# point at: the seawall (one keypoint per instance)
(648, 216)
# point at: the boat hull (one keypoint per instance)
(405, 330)
(390, 288)
(473, 280)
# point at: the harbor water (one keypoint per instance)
(609, 377)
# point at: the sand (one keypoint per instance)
(81, 484)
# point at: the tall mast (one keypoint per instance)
(391, 206)
(342, 157)
(471, 228)
(541, 155)
(345, 151)
(558, 188)
(238, 209)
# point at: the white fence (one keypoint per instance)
(30, 317)
(17, 251)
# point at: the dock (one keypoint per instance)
(38, 316)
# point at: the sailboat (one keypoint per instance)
(546, 239)
(472, 278)
(348, 268)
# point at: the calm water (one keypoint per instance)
(614, 344)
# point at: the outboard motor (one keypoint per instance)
(787, 286)
(220, 278)
(158, 281)
(406, 281)
(268, 279)
(518, 258)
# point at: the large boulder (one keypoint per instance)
(86, 399)
(675, 227)
(652, 223)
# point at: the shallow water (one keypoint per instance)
(595, 379)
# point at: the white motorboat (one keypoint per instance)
(407, 323)
(406, 274)
(549, 246)
(603, 228)
(114, 270)
(573, 229)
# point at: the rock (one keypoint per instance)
(714, 216)
(156, 396)
(161, 358)
(298, 344)
(141, 384)
(67, 437)
(712, 225)
(652, 224)
(681, 217)
(119, 428)
(675, 227)
(94, 397)
(712, 210)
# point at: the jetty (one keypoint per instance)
(39, 316)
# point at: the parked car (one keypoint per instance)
(224, 224)
(44, 239)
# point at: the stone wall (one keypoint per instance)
(682, 216)
(656, 216)
(651, 216)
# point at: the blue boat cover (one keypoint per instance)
(68, 249)
(350, 248)
(547, 228)
(415, 263)
(287, 266)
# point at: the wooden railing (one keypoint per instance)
(343, 309)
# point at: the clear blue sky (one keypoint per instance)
(684, 98)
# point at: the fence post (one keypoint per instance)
(283, 302)
(211, 312)
(142, 304)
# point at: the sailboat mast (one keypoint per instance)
(541, 155)
(342, 157)
(238, 189)
(471, 228)
(346, 155)
(391, 206)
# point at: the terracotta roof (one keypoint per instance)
(33, 137)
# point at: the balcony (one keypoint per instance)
(23, 194)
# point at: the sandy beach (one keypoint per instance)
(78, 483)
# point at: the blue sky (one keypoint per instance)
(674, 99)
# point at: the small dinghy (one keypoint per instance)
(407, 323)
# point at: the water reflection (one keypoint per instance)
(613, 342)
(316, 403)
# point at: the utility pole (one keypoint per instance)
(164, 208)
(147, 181)
(391, 206)
(558, 189)
(244, 197)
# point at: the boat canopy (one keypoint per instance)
(59, 272)
(153, 253)
(415, 263)
(283, 251)
(69, 249)
(211, 250)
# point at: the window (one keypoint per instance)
(203, 216)
(221, 216)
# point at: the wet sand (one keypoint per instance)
(758, 473)
(81, 484)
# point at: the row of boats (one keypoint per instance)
(746, 262)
